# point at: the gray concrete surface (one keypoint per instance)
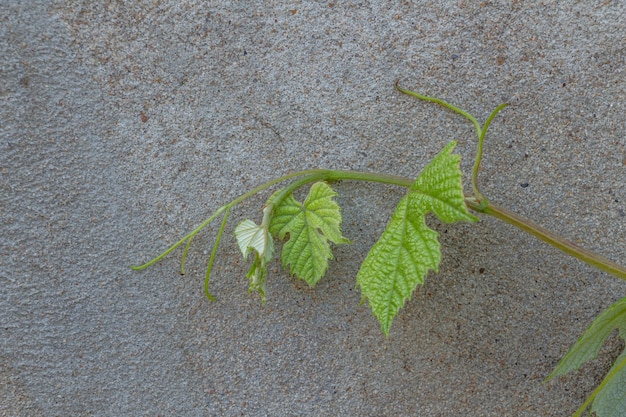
(124, 124)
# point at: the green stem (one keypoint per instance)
(213, 253)
(479, 153)
(190, 235)
(307, 177)
(480, 132)
(442, 103)
(481, 204)
(182, 261)
(505, 215)
(514, 219)
(547, 236)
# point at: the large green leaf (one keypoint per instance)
(609, 399)
(408, 249)
(311, 226)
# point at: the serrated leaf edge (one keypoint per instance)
(415, 196)
(325, 230)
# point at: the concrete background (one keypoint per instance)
(125, 124)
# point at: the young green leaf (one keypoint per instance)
(257, 275)
(408, 249)
(310, 226)
(252, 237)
(256, 239)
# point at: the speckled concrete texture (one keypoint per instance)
(125, 124)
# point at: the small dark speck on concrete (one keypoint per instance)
(524, 185)
(454, 56)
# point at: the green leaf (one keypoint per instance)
(256, 239)
(609, 399)
(311, 226)
(257, 274)
(408, 249)
(589, 344)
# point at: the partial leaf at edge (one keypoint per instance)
(408, 249)
(589, 344)
(610, 401)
